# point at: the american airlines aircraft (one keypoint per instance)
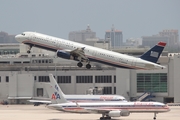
(84, 53)
(108, 109)
(79, 98)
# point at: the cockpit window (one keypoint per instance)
(23, 34)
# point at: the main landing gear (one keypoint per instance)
(154, 116)
(79, 64)
(29, 50)
(88, 66)
(105, 118)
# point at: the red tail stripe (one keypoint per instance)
(162, 44)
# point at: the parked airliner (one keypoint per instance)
(79, 98)
(84, 53)
(108, 109)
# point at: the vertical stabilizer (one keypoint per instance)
(153, 54)
(54, 83)
(54, 95)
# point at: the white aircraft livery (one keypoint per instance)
(84, 53)
(78, 98)
(108, 109)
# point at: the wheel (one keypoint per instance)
(108, 118)
(154, 118)
(28, 51)
(88, 66)
(102, 118)
(79, 64)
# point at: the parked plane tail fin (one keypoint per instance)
(153, 54)
(54, 95)
(54, 83)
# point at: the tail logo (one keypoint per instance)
(56, 87)
(154, 54)
(55, 96)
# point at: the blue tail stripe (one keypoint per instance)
(153, 54)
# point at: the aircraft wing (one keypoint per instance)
(39, 101)
(79, 52)
(99, 110)
(103, 111)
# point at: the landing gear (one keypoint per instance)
(29, 51)
(105, 118)
(88, 66)
(154, 116)
(79, 64)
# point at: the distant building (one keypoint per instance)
(6, 38)
(96, 43)
(82, 35)
(171, 37)
(133, 42)
(115, 36)
(10, 48)
(153, 40)
(172, 34)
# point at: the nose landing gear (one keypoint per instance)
(154, 116)
(29, 50)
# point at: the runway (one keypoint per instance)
(30, 112)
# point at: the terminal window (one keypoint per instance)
(114, 90)
(151, 82)
(114, 79)
(44, 79)
(7, 78)
(39, 92)
(107, 90)
(84, 79)
(103, 79)
(63, 79)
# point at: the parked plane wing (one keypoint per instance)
(39, 101)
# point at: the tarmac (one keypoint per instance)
(30, 112)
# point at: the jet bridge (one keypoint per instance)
(146, 96)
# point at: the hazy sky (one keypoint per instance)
(135, 18)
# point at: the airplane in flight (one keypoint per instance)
(85, 54)
(108, 109)
(79, 98)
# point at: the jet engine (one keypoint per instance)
(64, 54)
(118, 113)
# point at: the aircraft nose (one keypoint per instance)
(168, 109)
(18, 38)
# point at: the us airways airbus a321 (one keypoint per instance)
(85, 54)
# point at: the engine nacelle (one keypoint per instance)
(64, 54)
(125, 113)
(118, 113)
(114, 114)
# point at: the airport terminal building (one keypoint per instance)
(22, 77)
